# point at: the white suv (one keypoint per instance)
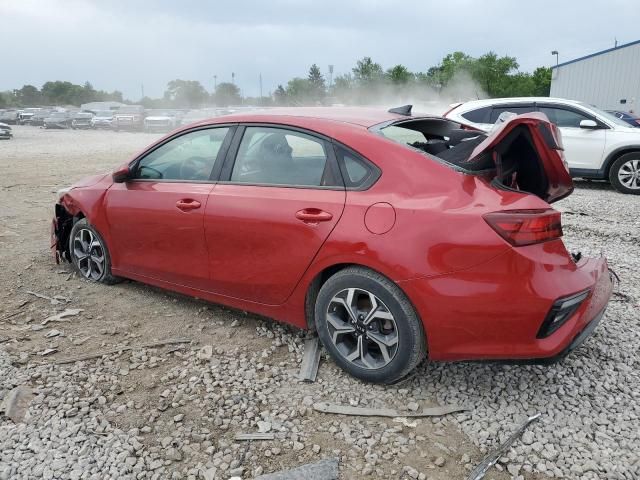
(596, 144)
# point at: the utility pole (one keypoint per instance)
(330, 75)
(142, 90)
(215, 82)
(260, 77)
(233, 78)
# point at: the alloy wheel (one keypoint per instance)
(362, 328)
(629, 174)
(89, 254)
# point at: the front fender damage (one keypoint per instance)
(60, 230)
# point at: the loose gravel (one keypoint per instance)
(173, 411)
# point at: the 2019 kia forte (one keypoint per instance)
(395, 237)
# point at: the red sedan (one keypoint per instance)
(395, 237)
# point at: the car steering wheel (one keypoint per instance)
(194, 168)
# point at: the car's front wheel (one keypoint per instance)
(624, 174)
(89, 253)
(368, 326)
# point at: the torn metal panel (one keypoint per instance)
(327, 407)
(254, 436)
(16, 403)
(480, 471)
(326, 469)
(310, 360)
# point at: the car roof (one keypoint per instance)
(360, 116)
(498, 101)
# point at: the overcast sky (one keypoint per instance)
(122, 44)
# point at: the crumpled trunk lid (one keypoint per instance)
(527, 153)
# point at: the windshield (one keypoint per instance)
(129, 110)
(608, 116)
(104, 113)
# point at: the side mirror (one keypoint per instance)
(122, 174)
(589, 124)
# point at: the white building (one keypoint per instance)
(609, 79)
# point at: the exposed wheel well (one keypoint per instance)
(314, 288)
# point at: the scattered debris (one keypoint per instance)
(55, 300)
(326, 469)
(91, 356)
(205, 353)
(80, 341)
(47, 351)
(264, 427)
(53, 333)
(310, 360)
(6, 317)
(480, 471)
(254, 436)
(209, 474)
(327, 407)
(60, 317)
(16, 402)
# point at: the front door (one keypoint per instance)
(269, 215)
(156, 218)
(583, 147)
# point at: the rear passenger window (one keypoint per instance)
(281, 157)
(480, 115)
(517, 109)
(357, 172)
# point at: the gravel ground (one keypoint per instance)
(172, 411)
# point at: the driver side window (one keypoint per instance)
(188, 157)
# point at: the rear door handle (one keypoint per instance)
(313, 215)
(187, 204)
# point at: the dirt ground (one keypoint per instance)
(33, 166)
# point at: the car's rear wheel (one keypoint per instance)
(89, 253)
(625, 173)
(368, 326)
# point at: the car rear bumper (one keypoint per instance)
(495, 311)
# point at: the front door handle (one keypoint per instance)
(187, 204)
(313, 215)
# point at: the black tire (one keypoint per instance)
(411, 343)
(87, 267)
(614, 171)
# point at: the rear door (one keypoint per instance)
(554, 181)
(279, 197)
(583, 147)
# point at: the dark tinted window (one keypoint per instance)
(357, 172)
(188, 157)
(517, 109)
(280, 157)
(563, 117)
(481, 115)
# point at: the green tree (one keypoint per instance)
(399, 75)
(28, 96)
(541, 81)
(227, 94)
(492, 72)
(367, 72)
(318, 89)
(342, 89)
(280, 96)
(299, 91)
(186, 93)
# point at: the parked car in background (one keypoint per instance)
(200, 114)
(597, 145)
(9, 117)
(129, 117)
(102, 119)
(160, 121)
(58, 120)
(38, 117)
(82, 121)
(24, 117)
(630, 118)
(482, 272)
(5, 131)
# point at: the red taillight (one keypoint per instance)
(526, 227)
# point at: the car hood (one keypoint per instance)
(159, 117)
(5, 126)
(56, 119)
(89, 181)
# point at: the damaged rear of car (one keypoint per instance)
(512, 175)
